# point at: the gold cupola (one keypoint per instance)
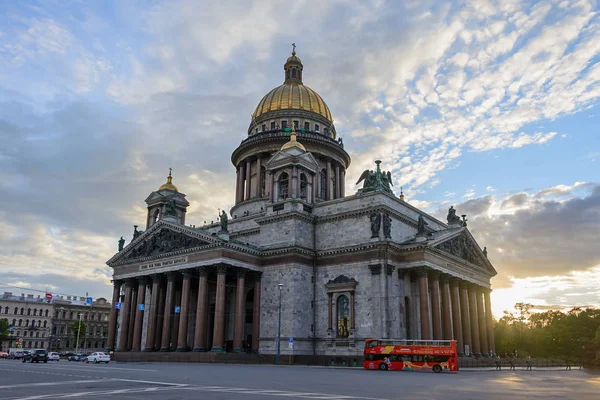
(293, 142)
(169, 185)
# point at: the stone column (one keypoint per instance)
(237, 184)
(165, 344)
(219, 328)
(256, 312)
(293, 185)
(185, 313)
(352, 314)
(446, 313)
(201, 310)
(329, 311)
(132, 308)
(465, 316)
(258, 178)
(269, 186)
(176, 319)
(488, 321)
(139, 316)
(424, 303)
(328, 188)
(112, 319)
(337, 182)
(343, 183)
(474, 320)
(248, 178)
(482, 323)
(160, 315)
(240, 300)
(125, 309)
(152, 316)
(456, 316)
(436, 312)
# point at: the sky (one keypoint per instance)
(490, 106)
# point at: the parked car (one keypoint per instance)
(15, 354)
(98, 357)
(3, 354)
(36, 355)
(76, 357)
(53, 356)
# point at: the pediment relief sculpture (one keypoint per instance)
(460, 246)
(164, 241)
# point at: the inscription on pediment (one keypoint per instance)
(164, 241)
(461, 247)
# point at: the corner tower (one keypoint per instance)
(291, 105)
(166, 203)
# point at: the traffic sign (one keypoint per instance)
(49, 296)
(11, 329)
(118, 305)
(88, 301)
(291, 340)
(141, 307)
(177, 309)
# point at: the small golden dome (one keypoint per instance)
(293, 142)
(169, 185)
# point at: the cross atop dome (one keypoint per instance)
(293, 68)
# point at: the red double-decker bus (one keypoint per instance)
(411, 355)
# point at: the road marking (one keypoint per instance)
(100, 368)
(52, 383)
(279, 393)
(153, 382)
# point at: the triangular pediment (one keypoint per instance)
(461, 244)
(161, 239)
(282, 158)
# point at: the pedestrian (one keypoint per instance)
(568, 365)
(511, 363)
(528, 363)
(498, 365)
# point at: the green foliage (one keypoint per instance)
(4, 325)
(572, 336)
(78, 325)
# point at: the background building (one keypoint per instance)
(337, 269)
(30, 317)
(66, 315)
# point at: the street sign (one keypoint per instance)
(49, 296)
(291, 340)
(88, 301)
(11, 329)
(118, 305)
(290, 345)
(141, 307)
(177, 309)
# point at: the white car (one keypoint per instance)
(53, 357)
(98, 358)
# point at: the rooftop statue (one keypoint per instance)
(223, 218)
(375, 180)
(421, 224)
(452, 218)
(170, 208)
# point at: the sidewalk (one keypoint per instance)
(493, 369)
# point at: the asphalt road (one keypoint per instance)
(65, 380)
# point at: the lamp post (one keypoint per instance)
(78, 330)
(278, 355)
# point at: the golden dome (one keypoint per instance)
(293, 142)
(169, 185)
(293, 94)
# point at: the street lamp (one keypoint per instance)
(278, 355)
(78, 330)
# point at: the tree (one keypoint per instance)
(78, 325)
(4, 330)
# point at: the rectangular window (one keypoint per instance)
(296, 124)
(273, 125)
(307, 126)
(283, 124)
(264, 127)
(316, 127)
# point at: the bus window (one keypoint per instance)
(372, 343)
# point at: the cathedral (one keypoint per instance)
(297, 260)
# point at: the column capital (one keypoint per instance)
(241, 272)
(156, 277)
(464, 284)
(473, 287)
(454, 281)
(130, 281)
(117, 282)
(375, 269)
(222, 269)
(257, 275)
(434, 274)
(401, 273)
(483, 289)
(422, 271)
(389, 269)
(202, 271)
(186, 274)
(144, 280)
(172, 275)
(444, 278)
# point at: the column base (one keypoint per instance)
(149, 349)
(486, 355)
(461, 354)
(165, 349)
(238, 350)
(476, 355)
(182, 349)
(217, 350)
(199, 350)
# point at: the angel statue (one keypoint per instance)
(369, 177)
(375, 180)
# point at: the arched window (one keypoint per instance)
(14, 322)
(323, 188)
(26, 322)
(22, 310)
(287, 74)
(46, 313)
(303, 186)
(333, 184)
(25, 333)
(29, 311)
(156, 216)
(39, 323)
(16, 310)
(45, 324)
(283, 185)
(293, 73)
(37, 334)
(35, 345)
(343, 316)
(263, 178)
(34, 311)
(20, 322)
(68, 344)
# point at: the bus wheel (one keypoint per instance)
(437, 368)
(383, 366)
